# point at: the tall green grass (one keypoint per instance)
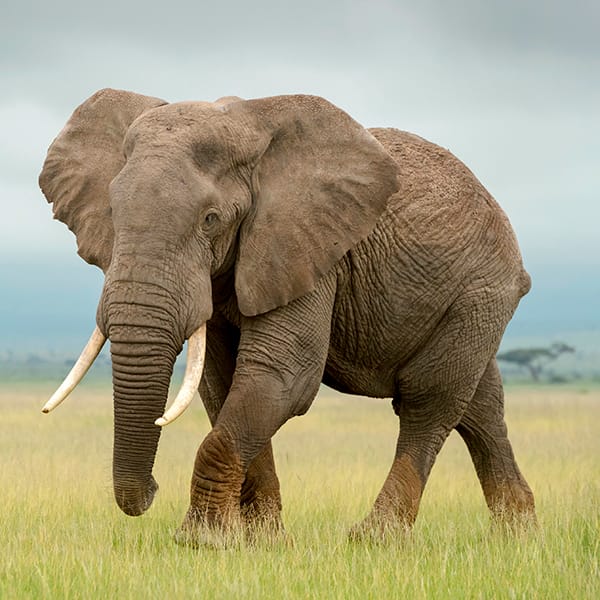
(63, 536)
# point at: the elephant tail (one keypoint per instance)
(524, 283)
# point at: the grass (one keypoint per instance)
(63, 536)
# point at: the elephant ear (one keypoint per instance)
(319, 186)
(83, 160)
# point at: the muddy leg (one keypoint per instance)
(483, 429)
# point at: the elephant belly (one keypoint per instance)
(386, 307)
(352, 380)
(370, 362)
(372, 341)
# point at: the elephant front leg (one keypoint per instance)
(234, 488)
(214, 516)
(278, 370)
(260, 500)
(234, 465)
(260, 497)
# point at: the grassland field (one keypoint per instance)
(63, 536)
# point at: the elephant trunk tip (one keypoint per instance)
(135, 500)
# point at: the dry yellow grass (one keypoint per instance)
(63, 536)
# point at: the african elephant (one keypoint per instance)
(290, 246)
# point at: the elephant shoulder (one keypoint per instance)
(409, 149)
(432, 173)
(395, 140)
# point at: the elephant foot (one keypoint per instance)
(228, 506)
(262, 512)
(380, 528)
(199, 531)
(260, 498)
(395, 508)
(514, 522)
(266, 536)
(262, 527)
(512, 506)
(213, 518)
(245, 531)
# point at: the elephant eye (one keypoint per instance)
(211, 218)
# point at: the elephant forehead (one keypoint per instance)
(167, 178)
(209, 134)
(183, 120)
(200, 130)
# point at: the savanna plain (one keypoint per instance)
(63, 536)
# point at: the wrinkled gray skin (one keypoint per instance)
(317, 251)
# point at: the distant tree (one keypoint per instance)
(33, 360)
(534, 359)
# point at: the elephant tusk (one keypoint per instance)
(191, 380)
(84, 362)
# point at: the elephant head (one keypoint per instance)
(166, 198)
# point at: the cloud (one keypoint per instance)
(511, 88)
(514, 27)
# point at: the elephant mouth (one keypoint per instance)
(135, 500)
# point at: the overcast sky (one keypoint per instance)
(511, 87)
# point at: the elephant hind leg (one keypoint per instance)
(423, 431)
(484, 431)
(434, 390)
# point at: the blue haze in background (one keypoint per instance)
(512, 89)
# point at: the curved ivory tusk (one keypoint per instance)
(84, 362)
(191, 379)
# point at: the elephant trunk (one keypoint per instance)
(141, 377)
(144, 343)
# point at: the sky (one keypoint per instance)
(512, 88)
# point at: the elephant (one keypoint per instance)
(290, 247)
